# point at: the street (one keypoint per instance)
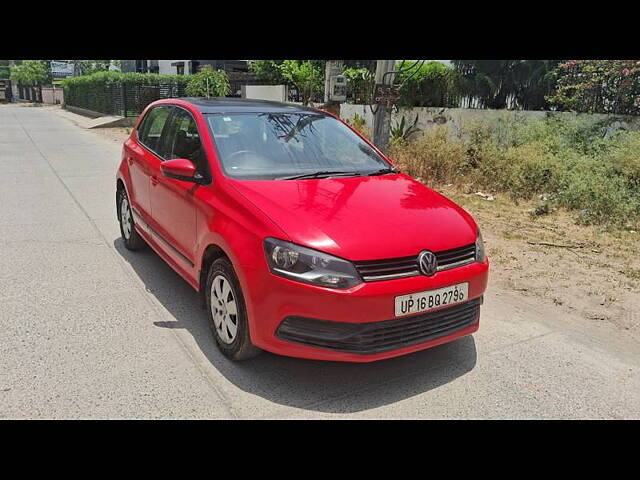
(92, 330)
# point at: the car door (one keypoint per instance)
(172, 201)
(144, 159)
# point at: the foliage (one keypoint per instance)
(431, 84)
(433, 157)
(268, 71)
(598, 86)
(88, 67)
(4, 69)
(507, 83)
(360, 85)
(573, 161)
(401, 131)
(208, 83)
(360, 124)
(30, 73)
(308, 77)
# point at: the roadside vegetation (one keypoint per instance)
(562, 161)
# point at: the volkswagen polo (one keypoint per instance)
(299, 233)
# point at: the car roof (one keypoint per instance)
(245, 105)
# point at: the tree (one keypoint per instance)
(503, 83)
(267, 71)
(208, 83)
(87, 67)
(360, 84)
(4, 69)
(430, 84)
(598, 86)
(30, 73)
(308, 77)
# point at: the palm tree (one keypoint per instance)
(507, 83)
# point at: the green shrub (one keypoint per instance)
(435, 156)
(530, 170)
(208, 83)
(572, 160)
(360, 124)
(267, 71)
(624, 157)
(432, 84)
(96, 91)
(601, 196)
(359, 85)
(598, 86)
(307, 77)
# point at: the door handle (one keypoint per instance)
(154, 180)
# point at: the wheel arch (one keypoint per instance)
(119, 187)
(210, 255)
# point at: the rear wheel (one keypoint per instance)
(132, 239)
(227, 312)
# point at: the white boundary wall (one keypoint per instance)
(455, 118)
(277, 93)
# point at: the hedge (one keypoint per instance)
(111, 92)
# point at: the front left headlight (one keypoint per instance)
(480, 255)
(306, 265)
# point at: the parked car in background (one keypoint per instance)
(299, 233)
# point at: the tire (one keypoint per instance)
(222, 281)
(131, 238)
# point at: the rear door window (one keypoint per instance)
(152, 126)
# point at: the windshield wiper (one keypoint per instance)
(320, 174)
(382, 171)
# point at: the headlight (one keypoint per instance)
(480, 255)
(309, 266)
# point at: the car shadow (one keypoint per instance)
(331, 387)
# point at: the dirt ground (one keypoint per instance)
(581, 269)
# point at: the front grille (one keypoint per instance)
(375, 337)
(377, 270)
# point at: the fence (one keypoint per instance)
(125, 99)
(29, 93)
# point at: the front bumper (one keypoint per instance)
(364, 326)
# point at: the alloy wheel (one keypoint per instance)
(125, 217)
(224, 309)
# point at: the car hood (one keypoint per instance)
(362, 218)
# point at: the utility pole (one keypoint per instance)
(332, 67)
(382, 116)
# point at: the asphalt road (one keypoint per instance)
(91, 330)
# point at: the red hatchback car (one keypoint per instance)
(301, 236)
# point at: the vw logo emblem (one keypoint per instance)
(427, 263)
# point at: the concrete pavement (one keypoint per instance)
(91, 330)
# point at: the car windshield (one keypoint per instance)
(269, 146)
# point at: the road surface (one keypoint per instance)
(91, 330)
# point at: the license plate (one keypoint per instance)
(431, 299)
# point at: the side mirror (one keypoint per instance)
(181, 169)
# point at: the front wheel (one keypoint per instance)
(227, 312)
(132, 239)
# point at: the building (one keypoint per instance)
(182, 67)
